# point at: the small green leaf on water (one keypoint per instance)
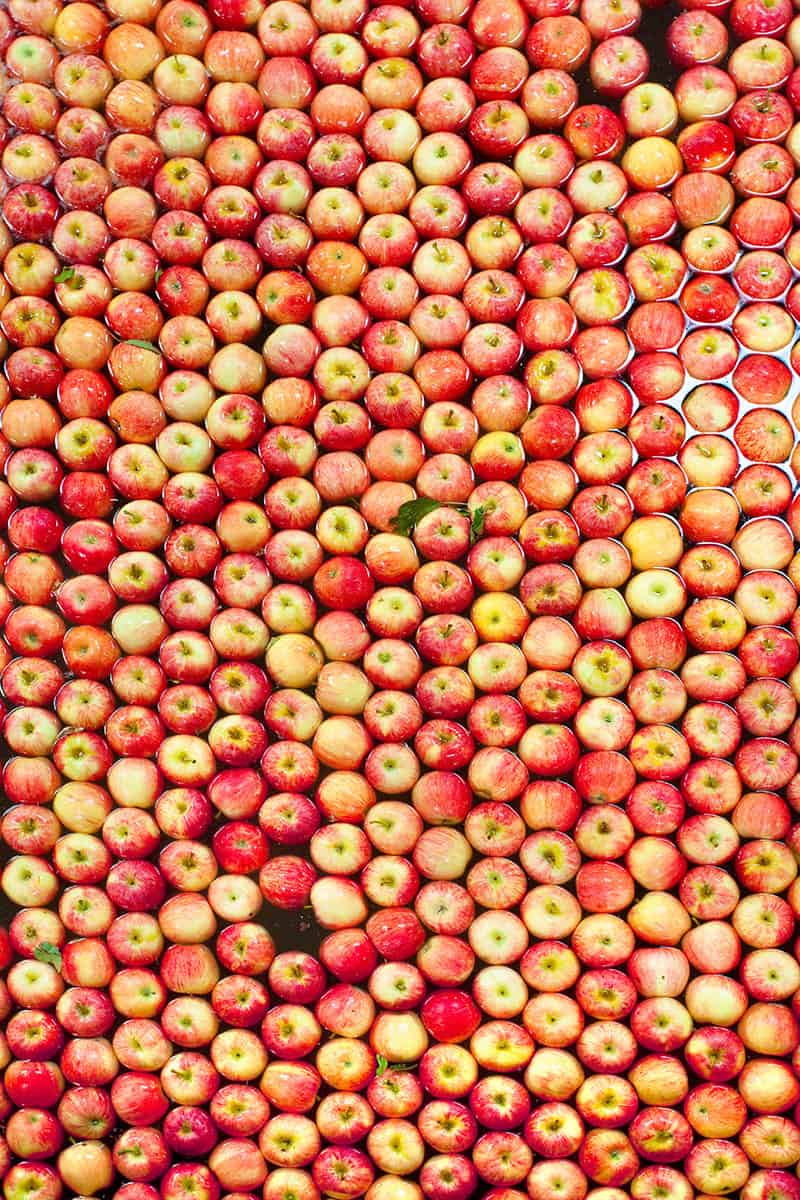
(478, 522)
(65, 275)
(142, 345)
(46, 952)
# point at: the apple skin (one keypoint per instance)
(520, 768)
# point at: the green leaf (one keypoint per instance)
(478, 522)
(65, 275)
(46, 952)
(384, 1065)
(142, 345)
(411, 513)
